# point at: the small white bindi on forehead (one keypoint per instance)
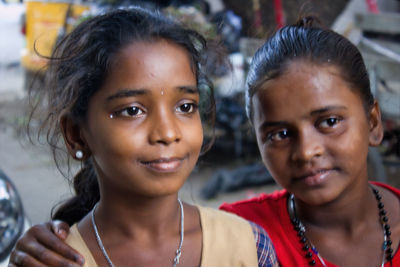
(111, 116)
(162, 92)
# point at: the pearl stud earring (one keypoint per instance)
(79, 154)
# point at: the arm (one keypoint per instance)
(265, 249)
(43, 244)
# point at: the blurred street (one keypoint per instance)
(30, 168)
(10, 51)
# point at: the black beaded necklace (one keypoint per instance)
(309, 249)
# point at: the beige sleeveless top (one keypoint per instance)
(228, 241)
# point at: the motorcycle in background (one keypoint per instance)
(13, 222)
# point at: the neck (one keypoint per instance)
(139, 217)
(346, 212)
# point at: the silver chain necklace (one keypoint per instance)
(177, 253)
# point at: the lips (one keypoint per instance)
(164, 165)
(316, 176)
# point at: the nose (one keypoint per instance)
(307, 146)
(165, 128)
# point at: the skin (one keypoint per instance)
(317, 149)
(144, 135)
(316, 143)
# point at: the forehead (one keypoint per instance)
(150, 61)
(150, 67)
(301, 89)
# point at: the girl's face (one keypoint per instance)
(313, 132)
(143, 127)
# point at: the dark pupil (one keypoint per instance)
(283, 134)
(132, 111)
(185, 107)
(331, 121)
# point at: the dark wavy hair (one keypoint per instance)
(78, 68)
(308, 42)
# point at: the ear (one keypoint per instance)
(375, 125)
(73, 137)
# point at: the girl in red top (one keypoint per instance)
(314, 116)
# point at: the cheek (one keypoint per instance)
(353, 142)
(107, 138)
(196, 136)
(351, 150)
(274, 161)
(265, 153)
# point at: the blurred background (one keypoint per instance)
(232, 169)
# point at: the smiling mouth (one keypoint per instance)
(315, 177)
(164, 165)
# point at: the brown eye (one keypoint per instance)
(187, 108)
(278, 135)
(130, 111)
(329, 122)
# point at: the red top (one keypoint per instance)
(270, 212)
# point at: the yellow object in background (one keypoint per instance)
(47, 21)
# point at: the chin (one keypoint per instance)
(162, 190)
(317, 196)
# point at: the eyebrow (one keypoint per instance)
(267, 124)
(189, 89)
(127, 93)
(327, 109)
(137, 92)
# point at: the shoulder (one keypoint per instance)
(211, 215)
(391, 199)
(76, 241)
(226, 234)
(74, 236)
(265, 249)
(260, 204)
(394, 190)
(261, 199)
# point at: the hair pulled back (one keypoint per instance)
(304, 41)
(77, 69)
